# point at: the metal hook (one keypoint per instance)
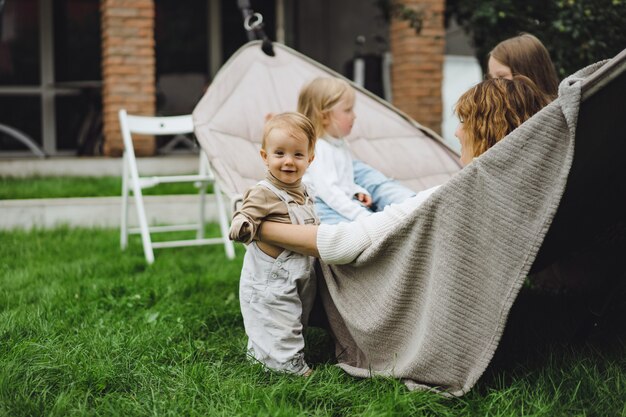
(250, 24)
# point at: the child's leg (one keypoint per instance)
(272, 312)
(327, 215)
(384, 191)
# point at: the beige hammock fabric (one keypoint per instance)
(428, 302)
(229, 121)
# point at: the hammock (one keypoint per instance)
(229, 122)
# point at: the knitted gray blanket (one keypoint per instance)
(428, 303)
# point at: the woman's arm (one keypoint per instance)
(341, 243)
(294, 237)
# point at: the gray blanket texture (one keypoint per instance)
(428, 303)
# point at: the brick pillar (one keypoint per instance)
(417, 69)
(128, 69)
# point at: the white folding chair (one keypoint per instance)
(133, 183)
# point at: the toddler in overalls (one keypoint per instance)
(277, 287)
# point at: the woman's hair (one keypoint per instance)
(295, 124)
(319, 96)
(495, 107)
(526, 55)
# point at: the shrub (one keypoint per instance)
(576, 32)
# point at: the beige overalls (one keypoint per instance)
(276, 296)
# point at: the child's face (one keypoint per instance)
(498, 70)
(286, 156)
(339, 120)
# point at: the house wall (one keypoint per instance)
(417, 70)
(326, 31)
(128, 69)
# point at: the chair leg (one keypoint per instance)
(203, 169)
(143, 225)
(124, 214)
(201, 219)
(224, 224)
(141, 215)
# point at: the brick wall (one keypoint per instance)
(417, 69)
(128, 69)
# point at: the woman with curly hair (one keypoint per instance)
(492, 109)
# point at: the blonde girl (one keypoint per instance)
(345, 188)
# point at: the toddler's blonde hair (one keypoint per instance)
(319, 96)
(295, 124)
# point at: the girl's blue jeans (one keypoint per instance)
(384, 191)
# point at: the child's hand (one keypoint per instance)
(365, 199)
(268, 117)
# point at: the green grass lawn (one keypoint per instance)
(86, 329)
(62, 187)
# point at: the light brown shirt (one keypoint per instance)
(261, 204)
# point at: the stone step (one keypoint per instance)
(97, 166)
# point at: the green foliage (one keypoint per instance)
(576, 32)
(86, 329)
(414, 14)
